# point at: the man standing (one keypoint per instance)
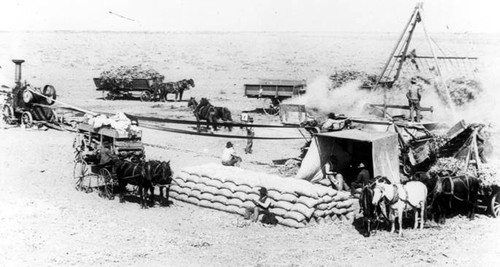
(414, 97)
(229, 157)
(250, 135)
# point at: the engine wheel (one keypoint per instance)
(27, 119)
(145, 96)
(8, 114)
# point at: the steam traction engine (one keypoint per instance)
(28, 105)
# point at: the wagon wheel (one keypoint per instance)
(495, 204)
(27, 119)
(146, 96)
(106, 184)
(271, 106)
(8, 114)
(79, 172)
(110, 96)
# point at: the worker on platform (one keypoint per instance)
(229, 156)
(250, 135)
(413, 96)
(108, 157)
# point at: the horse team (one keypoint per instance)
(145, 175)
(383, 201)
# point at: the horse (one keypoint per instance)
(175, 87)
(134, 174)
(369, 210)
(192, 103)
(450, 190)
(160, 173)
(206, 111)
(400, 198)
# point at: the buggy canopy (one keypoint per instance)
(378, 151)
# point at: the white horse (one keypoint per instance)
(400, 198)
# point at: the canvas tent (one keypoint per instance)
(379, 151)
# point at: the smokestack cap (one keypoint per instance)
(18, 61)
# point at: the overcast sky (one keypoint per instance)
(247, 15)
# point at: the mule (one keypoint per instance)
(160, 173)
(211, 114)
(134, 174)
(399, 198)
(451, 193)
(175, 87)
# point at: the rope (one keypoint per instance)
(173, 130)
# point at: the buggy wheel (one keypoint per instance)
(495, 204)
(145, 96)
(27, 119)
(271, 106)
(105, 183)
(80, 170)
(8, 114)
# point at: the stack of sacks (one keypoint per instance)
(295, 202)
(119, 122)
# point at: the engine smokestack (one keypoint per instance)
(18, 63)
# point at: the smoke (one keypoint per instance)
(348, 99)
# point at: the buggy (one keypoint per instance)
(88, 173)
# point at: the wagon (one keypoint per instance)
(465, 142)
(273, 92)
(144, 87)
(88, 173)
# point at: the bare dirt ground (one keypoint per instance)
(45, 221)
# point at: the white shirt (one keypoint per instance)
(227, 154)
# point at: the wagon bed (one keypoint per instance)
(144, 86)
(274, 91)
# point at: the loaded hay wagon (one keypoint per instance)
(463, 153)
(124, 81)
(89, 172)
(28, 105)
(273, 92)
(145, 88)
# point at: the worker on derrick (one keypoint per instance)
(414, 97)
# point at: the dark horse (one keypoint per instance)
(371, 213)
(457, 193)
(176, 88)
(206, 111)
(369, 210)
(133, 173)
(160, 174)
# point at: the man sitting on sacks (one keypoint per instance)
(262, 207)
(335, 178)
(229, 157)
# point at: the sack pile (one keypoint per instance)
(296, 203)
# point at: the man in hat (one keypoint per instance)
(413, 96)
(262, 205)
(250, 135)
(363, 177)
(229, 157)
